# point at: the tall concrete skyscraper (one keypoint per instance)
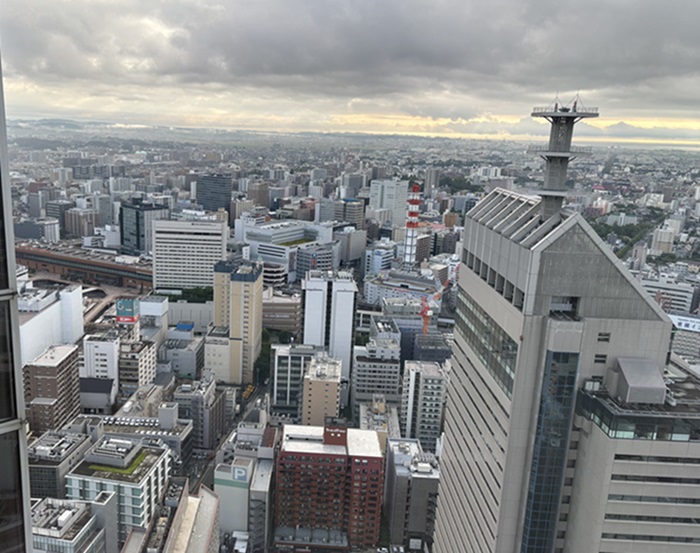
(329, 309)
(15, 521)
(432, 181)
(214, 191)
(391, 195)
(547, 314)
(136, 224)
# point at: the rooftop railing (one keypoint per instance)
(564, 110)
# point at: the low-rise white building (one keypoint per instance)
(101, 356)
(75, 526)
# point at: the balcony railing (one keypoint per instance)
(574, 150)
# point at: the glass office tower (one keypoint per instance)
(15, 525)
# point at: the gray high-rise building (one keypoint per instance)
(136, 225)
(51, 458)
(391, 195)
(352, 184)
(410, 493)
(15, 521)
(376, 366)
(422, 402)
(259, 192)
(201, 402)
(350, 210)
(214, 191)
(185, 252)
(288, 368)
(35, 203)
(432, 181)
(321, 257)
(329, 308)
(105, 208)
(432, 347)
(57, 209)
(547, 320)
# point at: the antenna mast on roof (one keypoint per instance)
(559, 152)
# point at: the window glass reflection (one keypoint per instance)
(11, 521)
(8, 405)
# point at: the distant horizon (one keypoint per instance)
(600, 141)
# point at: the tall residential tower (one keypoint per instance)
(238, 293)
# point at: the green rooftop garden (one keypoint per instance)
(128, 471)
(296, 242)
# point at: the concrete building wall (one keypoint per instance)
(392, 195)
(282, 312)
(201, 314)
(321, 391)
(232, 485)
(410, 493)
(376, 370)
(538, 303)
(422, 402)
(101, 357)
(329, 303)
(628, 487)
(218, 356)
(378, 259)
(60, 323)
(222, 298)
(137, 365)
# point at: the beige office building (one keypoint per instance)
(283, 312)
(321, 391)
(238, 298)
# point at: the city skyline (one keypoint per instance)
(455, 70)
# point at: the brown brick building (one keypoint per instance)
(52, 388)
(328, 489)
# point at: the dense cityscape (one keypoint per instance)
(224, 341)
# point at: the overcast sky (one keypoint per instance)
(446, 67)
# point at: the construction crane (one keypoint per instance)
(426, 313)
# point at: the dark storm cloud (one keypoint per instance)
(342, 47)
(442, 58)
